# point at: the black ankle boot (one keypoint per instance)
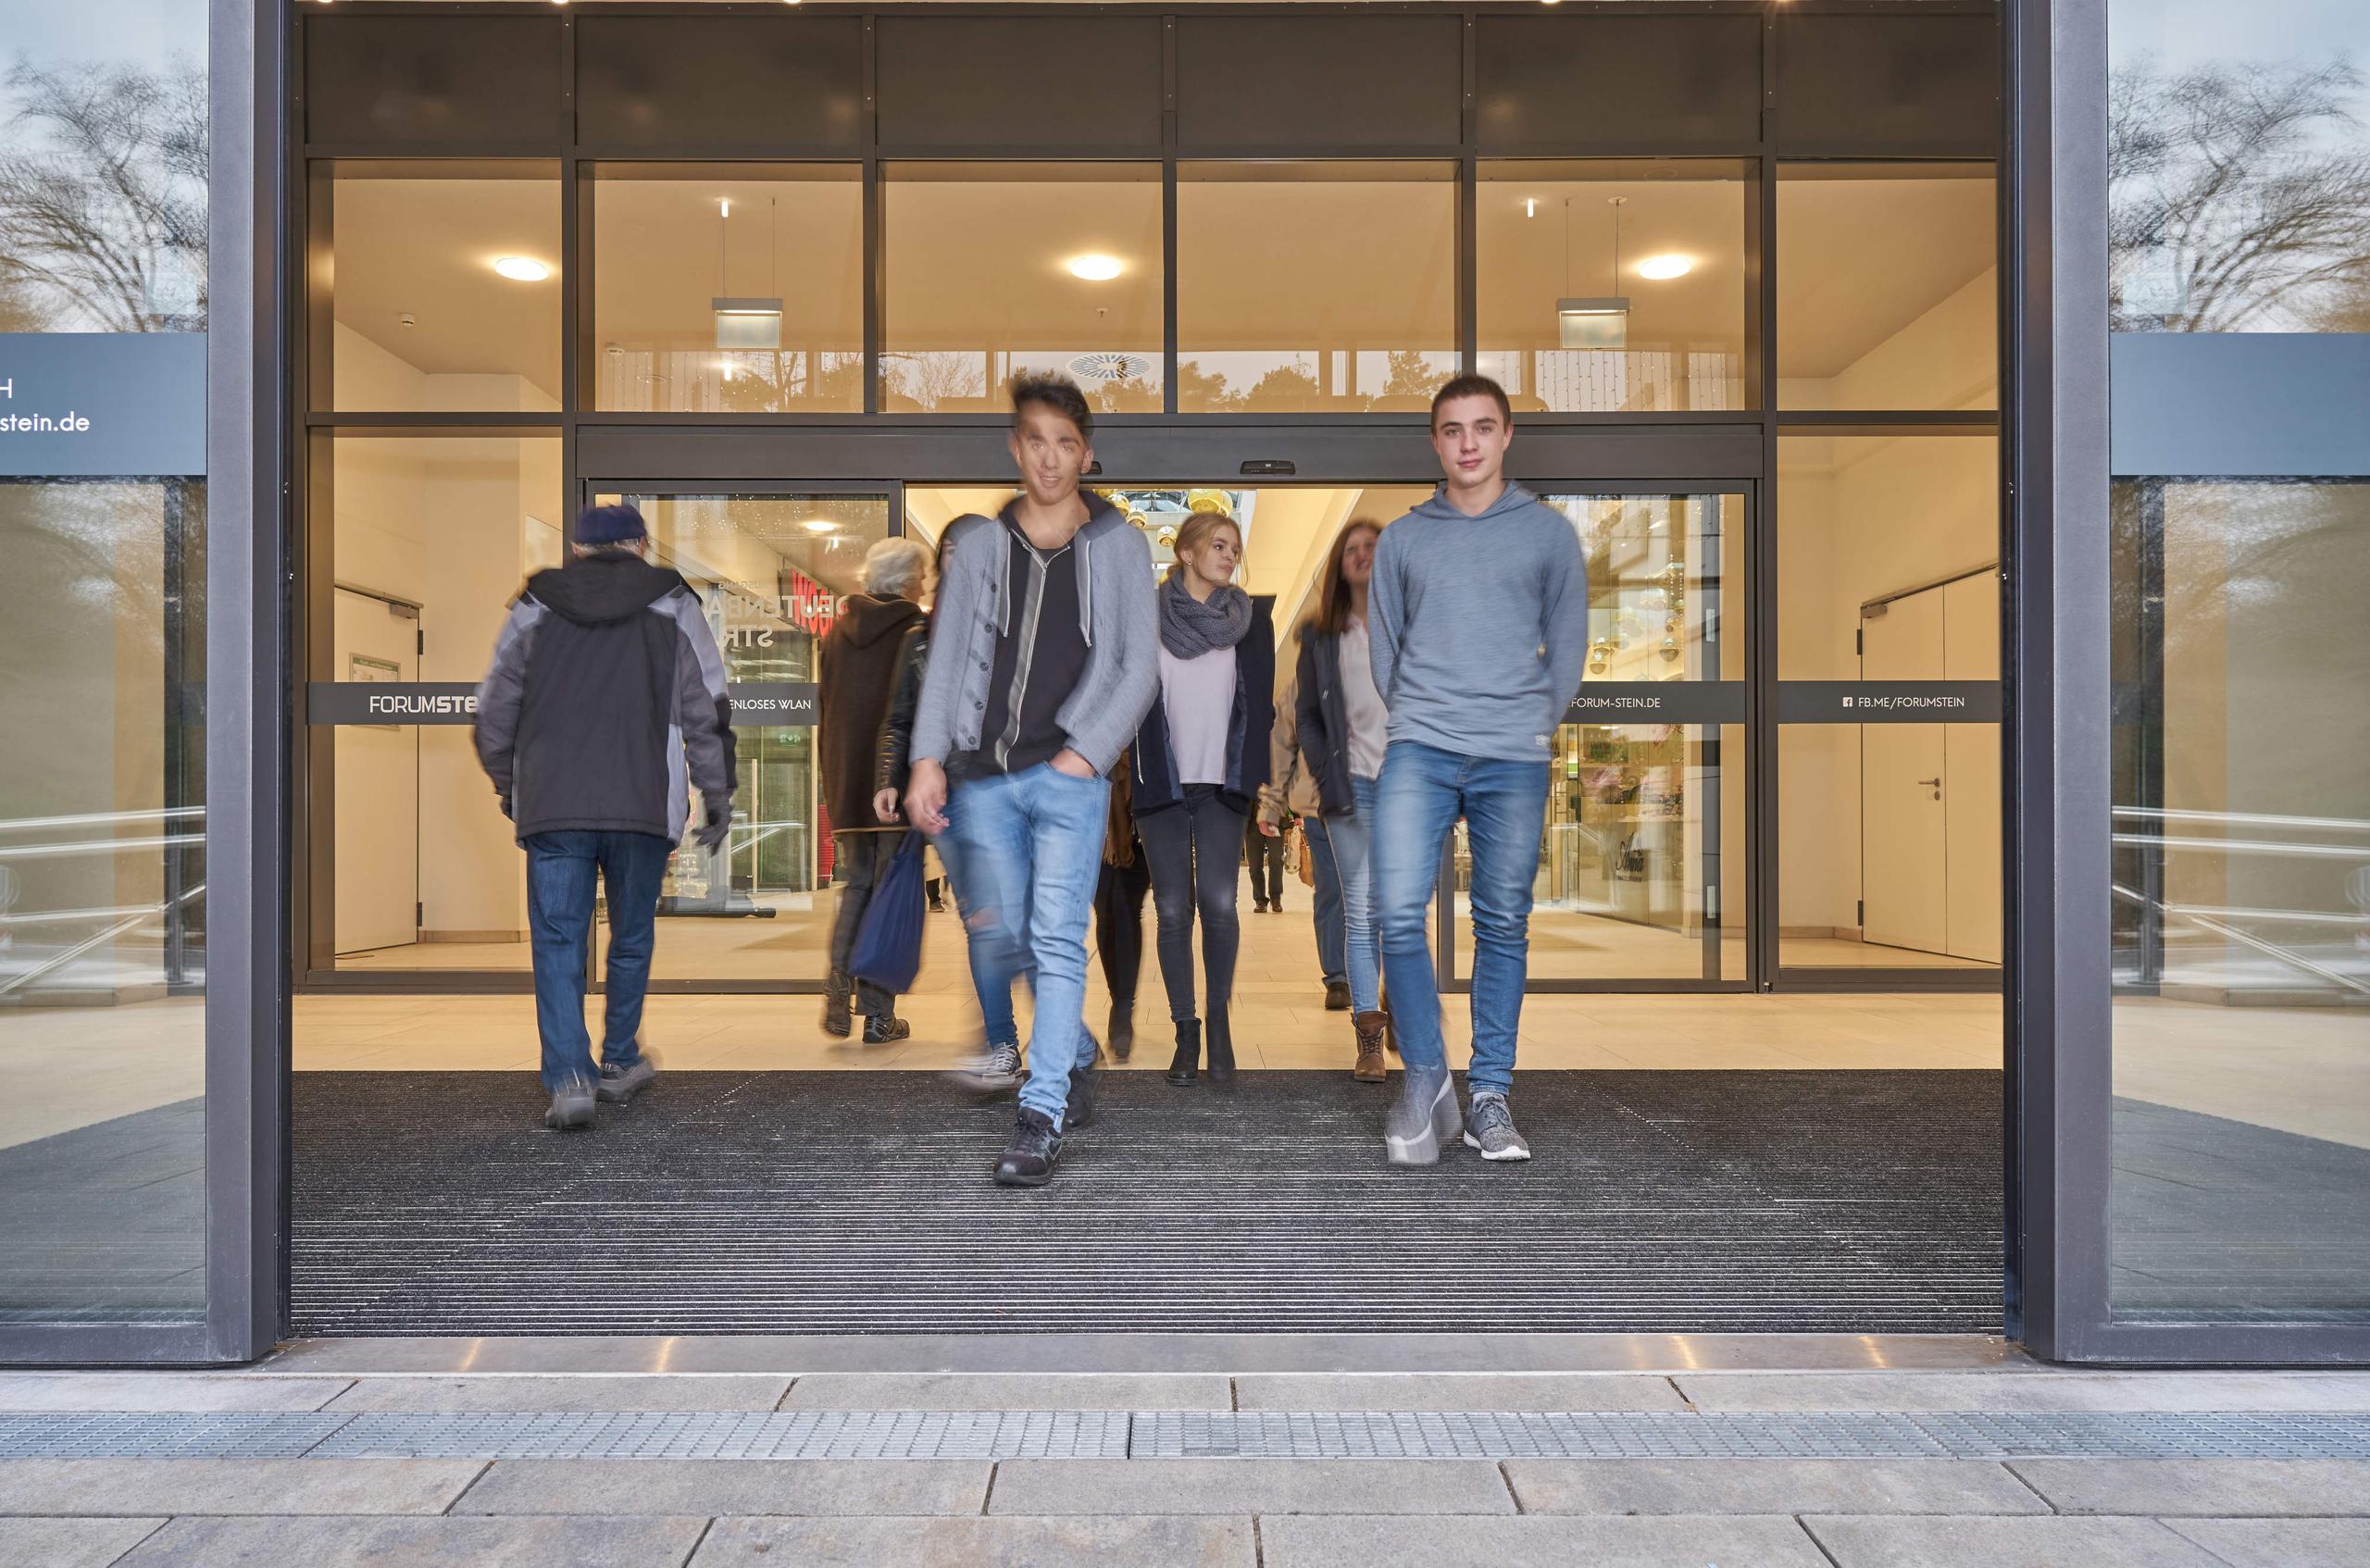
(1221, 1046)
(1189, 1052)
(1122, 1034)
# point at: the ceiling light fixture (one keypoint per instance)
(742, 321)
(1095, 269)
(1603, 322)
(1662, 269)
(521, 269)
(819, 524)
(1530, 206)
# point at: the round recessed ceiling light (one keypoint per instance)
(819, 524)
(1096, 269)
(1666, 267)
(521, 269)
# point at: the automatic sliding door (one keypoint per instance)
(1642, 866)
(771, 568)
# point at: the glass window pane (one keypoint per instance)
(1614, 287)
(1643, 863)
(1887, 287)
(439, 291)
(1314, 286)
(1887, 574)
(102, 950)
(993, 270)
(772, 571)
(729, 288)
(429, 538)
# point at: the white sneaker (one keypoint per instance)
(991, 1071)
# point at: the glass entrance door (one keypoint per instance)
(772, 567)
(1643, 860)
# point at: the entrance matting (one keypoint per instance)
(859, 1202)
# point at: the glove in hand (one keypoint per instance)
(719, 822)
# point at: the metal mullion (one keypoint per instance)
(1764, 808)
(1169, 213)
(874, 263)
(1468, 205)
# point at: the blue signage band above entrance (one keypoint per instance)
(758, 704)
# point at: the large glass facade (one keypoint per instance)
(102, 931)
(2240, 523)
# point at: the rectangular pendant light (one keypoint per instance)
(747, 323)
(1592, 323)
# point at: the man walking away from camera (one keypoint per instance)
(605, 706)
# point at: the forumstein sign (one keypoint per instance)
(102, 405)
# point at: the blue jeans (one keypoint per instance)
(1030, 846)
(991, 980)
(1421, 793)
(1326, 886)
(560, 869)
(1353, 855)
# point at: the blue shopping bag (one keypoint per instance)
(888, 941)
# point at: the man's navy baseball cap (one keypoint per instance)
(609, 524)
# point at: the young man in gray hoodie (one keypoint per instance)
(1044, 661)
(1477, 620)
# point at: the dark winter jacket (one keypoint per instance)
(1156, 785)
(892, 759)
(857, 669)
(1323, 718)
(604, 678)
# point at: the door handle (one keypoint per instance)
(1933, 784)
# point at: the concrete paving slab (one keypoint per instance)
(1311, 1542)
(2236, 1487)
(419, 1543)
(1454, 1392)
(1169, 1542)
(1248, 1486)
(711, 1486)
(72, 1543)
(162, 1391)
(2280, 1543)
(2005, 1543)
(2027, 1391)
(635, 1393)
(118, 1486)
(796, 1354)
(1767, 1486)
(1034, 1391)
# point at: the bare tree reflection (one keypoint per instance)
(2239, 198)
(103, 199)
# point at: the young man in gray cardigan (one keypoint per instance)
(1044, 661)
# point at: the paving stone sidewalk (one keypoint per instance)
(451, 1497)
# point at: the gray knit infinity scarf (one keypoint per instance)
(1191, 628)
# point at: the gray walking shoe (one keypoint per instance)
(1491, 1128)
(620, 1085)
(571, 1105)
(991, 1071)
(1425, 1118)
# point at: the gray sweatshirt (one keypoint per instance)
(1480, 626)
(1116, 612)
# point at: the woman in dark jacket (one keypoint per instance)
(1342, 731)
(1198, 761)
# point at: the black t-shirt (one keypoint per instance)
(1038, 661)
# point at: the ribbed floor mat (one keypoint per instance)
(859, 1202)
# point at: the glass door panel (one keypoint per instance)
(771, 569)
(1644, 857)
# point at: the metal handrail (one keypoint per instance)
(2273, 951)
(98, 818)
(60, 960)
(2246, 818)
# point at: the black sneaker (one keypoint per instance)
(1081, 1112)
(1030, 1158)
(879, 1030)
(1337, 996)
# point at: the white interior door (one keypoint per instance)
(1903, 842)
(1971, 774)
(378, 782)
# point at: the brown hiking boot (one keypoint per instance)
(1371, 1068)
